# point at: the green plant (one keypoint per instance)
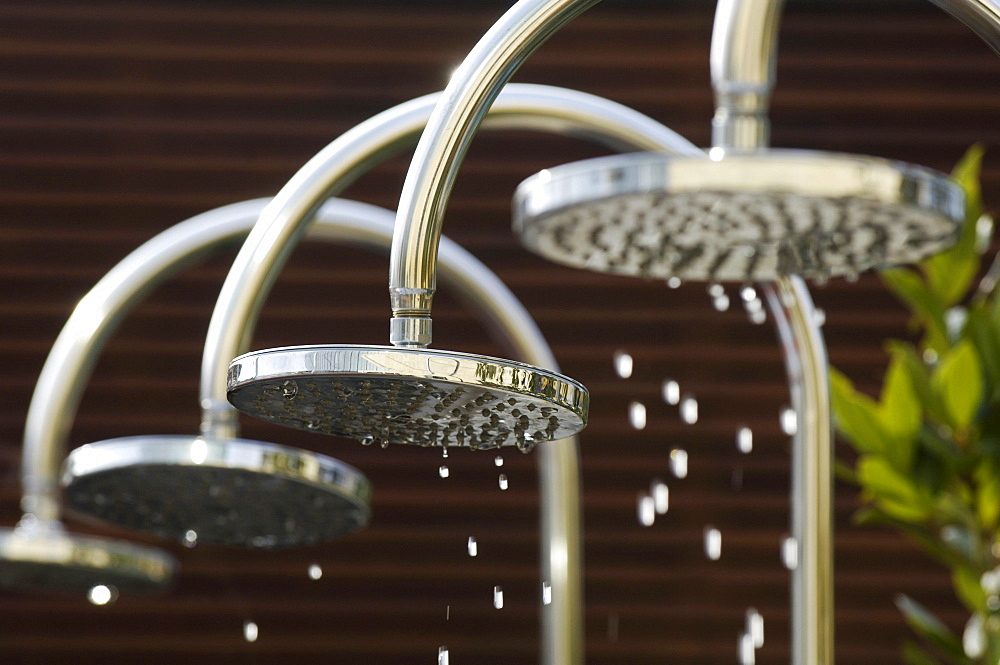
(928, 449)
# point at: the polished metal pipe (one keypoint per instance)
(462, 107)
(519, 106)
(981, 16)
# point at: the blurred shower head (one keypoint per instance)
(38, 555)
(741, 217)
(418, 397)
(232, 491)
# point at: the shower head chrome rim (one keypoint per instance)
(43, 557)
(744, 217)
(226, 492)
(411, 396)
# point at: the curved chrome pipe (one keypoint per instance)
(980, 16)
(282, 222)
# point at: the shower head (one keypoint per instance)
(413, 396)
(38, 555)
(743, 217)
(233, 491)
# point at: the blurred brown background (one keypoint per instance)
(120, 119)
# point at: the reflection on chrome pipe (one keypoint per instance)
(981, 16)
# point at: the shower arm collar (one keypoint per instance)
(457, 116)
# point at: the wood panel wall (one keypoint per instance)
(120, 119)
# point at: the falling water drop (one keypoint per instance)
(748, 294)
(444, 452)
(637, 415)
(444, 471)
(498, 597)
(199, 451)
(819, 317)
(721, 304)
(716, 290)
(102, 594)
(747, 653)
(623, 364)
(473, 546)
(367, 440)
(689, 410)
(679, 462)
(660, 493)
(755, 627)
(671, 392)
(546, 593)
(744, 440)
(498, 460)
(674, 282)
(790, 552)
(190, 538)
(447, 613)
(315, 571)
(442, 655)
(789, 421)
(758, 316)
(250, 631)
(713, 543)
(646, 509)
(502, 481)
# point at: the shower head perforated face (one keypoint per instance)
(744, 217)
(43, 557)
(228, 492)
(409, 396)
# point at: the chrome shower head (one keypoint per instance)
(232, 491)
(38, 555)
(743, 217)
(419, 397)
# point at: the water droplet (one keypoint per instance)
(502, 481)
(744, 440)
(716, 290)
(660, 493)
(755, 627)
(612, 627)
(819, 317)
(930, 356)
(689, 410)
(102, 594)
(315, 571)
(789, 421)
(190, 538)
(289, 389)
(674, 282)
(790, 552)
(646, 510)
(199, 451)
(447, 613)
(637, 415)
(623, 364)
(758, 317)
(748, 294)
(747, 653)
(442, 655)
(473, 546)
(679, 462)
(367, 440)
(713, 543)
(444, 471)
(250, 631)
(974, 637)
(721, 304)
(546, 593)
(498, 597)
(671, 392)
(498, 460)
(444, 452)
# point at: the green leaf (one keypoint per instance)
(914, 654)
(925, 305)
(985, 336)
(920, 378)
(987, 494)
(856, 415)
(900, 412)
(969, 589)
(959, 383)
(930, 543)
(892, 492)
(930, 628)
